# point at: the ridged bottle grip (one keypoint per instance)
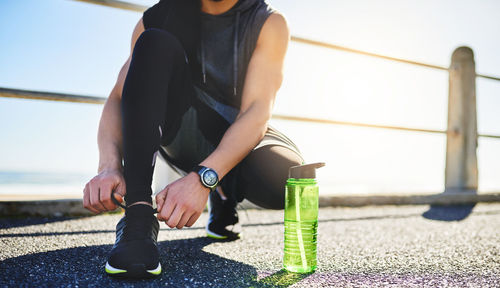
(301, 222)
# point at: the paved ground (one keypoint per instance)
(409, 246)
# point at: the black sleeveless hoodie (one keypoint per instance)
(218, 47)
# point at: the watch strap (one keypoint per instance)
(198, 169)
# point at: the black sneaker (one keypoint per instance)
(135, 253)
(222, 213)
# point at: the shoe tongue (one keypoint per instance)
(139, 210)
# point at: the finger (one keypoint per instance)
(166, 210)
(105, 197)
(94, 198)
(120, 190)
(119, 193)
(86, 200)
(117, 196)
(193, 219)
(176, 216)
(160, 199)
(184, 219)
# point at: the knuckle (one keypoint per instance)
(163, 220)
(105, 197)
(195, 218)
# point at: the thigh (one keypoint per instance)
(263, 173)
(188, 145)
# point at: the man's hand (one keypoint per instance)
(182, 202)
(97, 192)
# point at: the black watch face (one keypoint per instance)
(210, 178)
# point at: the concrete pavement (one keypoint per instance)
(383, 246)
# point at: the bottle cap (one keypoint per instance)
(304, 170)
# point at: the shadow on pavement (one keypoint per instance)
(448, 213)
(436, 212)
(21, 221)
(7, 223)
(283, 278)
(184, 264)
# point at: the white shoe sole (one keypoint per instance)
(115, 271)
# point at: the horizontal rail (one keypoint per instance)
(38, 95)
(117, 4)
(51, 96)
(375, 55)
(356, 51)
(346, 123)
(140, 8)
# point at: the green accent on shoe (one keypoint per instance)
(111, 270)
(156, 271)
(216, 236)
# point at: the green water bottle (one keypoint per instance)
(301, 218)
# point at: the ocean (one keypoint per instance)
(41, 183)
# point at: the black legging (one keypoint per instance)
(157, 92)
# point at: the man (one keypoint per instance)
(198, 89)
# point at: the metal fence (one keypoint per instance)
(461, 157)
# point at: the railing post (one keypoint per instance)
(461, 159)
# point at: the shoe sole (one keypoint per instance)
(214, 235)
(139, 271)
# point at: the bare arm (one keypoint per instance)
(181, 202)
(264, 77)
(97, 192)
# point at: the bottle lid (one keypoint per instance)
(304, 170)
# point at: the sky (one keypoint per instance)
(74, 47)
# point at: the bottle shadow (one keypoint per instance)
(283, 278)
(184, 263)
(451, 212)
(448, 212)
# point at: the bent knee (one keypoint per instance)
(157, 40)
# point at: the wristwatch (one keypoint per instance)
(208, 176)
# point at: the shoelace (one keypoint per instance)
(155, 211)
